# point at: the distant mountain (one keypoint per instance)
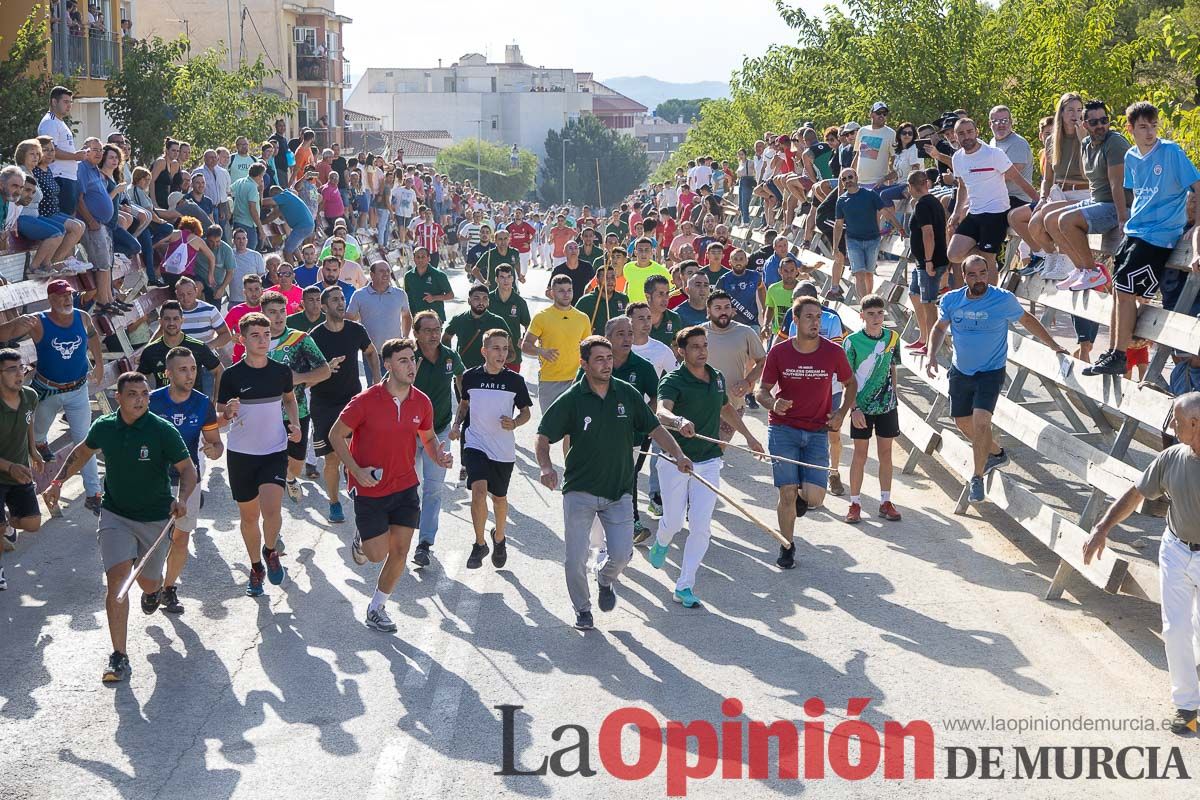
(651, 91)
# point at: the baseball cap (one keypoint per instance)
(879, 106)
(850, 127)
(948, 122)
(59, 287)
(173, 198)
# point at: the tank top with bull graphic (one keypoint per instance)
(62, 352)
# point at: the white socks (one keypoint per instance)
(885, 496)
(377, 601)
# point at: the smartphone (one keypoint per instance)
(921, 144)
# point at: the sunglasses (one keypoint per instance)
(1097, 121)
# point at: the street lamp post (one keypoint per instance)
(478, 163)
(564, 170)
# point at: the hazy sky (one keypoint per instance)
(619, 38)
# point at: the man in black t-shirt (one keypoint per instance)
(153, 359)
(477, 251)
(340, 341)
(927, 246)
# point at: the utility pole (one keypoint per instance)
(564, 170)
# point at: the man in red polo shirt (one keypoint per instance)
(520, 238)
(386, 421)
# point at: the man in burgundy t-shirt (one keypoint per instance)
(804, 369)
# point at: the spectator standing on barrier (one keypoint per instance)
(64, 337)
(804, 368)
(1160, 174)
(978, 316)
(65, 165)
(980, 221)
(246, 194)
(873, 148)
(1175, 472)
(857, 215)
(927, 246)
(19, 456)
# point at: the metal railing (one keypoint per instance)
(96, 55)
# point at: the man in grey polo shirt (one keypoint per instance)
(1016, 147)
(382, 308)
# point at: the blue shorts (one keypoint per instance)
(809, 446)
(926, 285)
(1101, 217)
(773, 189)
(863, 254)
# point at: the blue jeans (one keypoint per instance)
(890, 194)
(124, 242)
(76, 406)
(68, 195)
(38, 229)
(296, 238)
(811, 447)
(745, 188)
(433, 486)
(384, 216)
(863, 254)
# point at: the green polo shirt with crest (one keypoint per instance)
(700, 403)
(137, 482)
(436, 379)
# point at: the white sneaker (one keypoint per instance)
(380, 621)
(1067, 282)
(1056, 267)
(3, 580)
(76, 266)
(1095, 278)
(293, 489)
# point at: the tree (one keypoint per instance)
(602, 165)
(490, 166)
(24, 84)
(157, 93)
(677, 110)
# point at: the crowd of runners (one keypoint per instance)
(299, 276)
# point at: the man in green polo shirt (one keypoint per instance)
(590, 251)
(692, 399)
(469, 326)
(427, 287)
(139, 448)
(605, 419)
(19, 457)
(311, 313)
(605, 302)
(505, 303)
(484, 270)
(439, 375)
(664, 323)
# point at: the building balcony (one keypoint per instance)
(84, 53)
(318, 65)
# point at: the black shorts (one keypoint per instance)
(324, 414)
(481, 468)
(988, 230)
(1140, 267)
(969, 393)
(373, 515)
(885, 426)
(248, 472)
(297, 450)
(20, 501)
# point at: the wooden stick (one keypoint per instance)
(125, 587)
(776, 535)
(723, 443)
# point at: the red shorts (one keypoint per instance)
(1137, 355)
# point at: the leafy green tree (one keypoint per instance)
(157, 93)
(488, 166)
(24, 84)
(602, 166)
(677, 110)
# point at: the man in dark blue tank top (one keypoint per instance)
(64, 337)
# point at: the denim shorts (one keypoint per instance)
(809, 446)
(1101, 217)
(863, 254)
(926, 285)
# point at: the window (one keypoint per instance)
(495, 124)
(447, 84)
(493, 84)
(332, 43)
(306, 40)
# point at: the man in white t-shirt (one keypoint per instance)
(66, 156)
(700, 175)
(980, 221)
(663, 360)
(873, 149)
(404, 207)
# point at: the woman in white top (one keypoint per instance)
(907, 159)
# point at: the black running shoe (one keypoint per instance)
(150, 602)
(475, 560)
(583, 620)
(170, 600)
(1184, 722)
(1111, 362)
(421, 555)
(801, 506)
(787, 557)
(118, 668)
(274, 568)
(499, 551)
(607, 599)
(751, 403)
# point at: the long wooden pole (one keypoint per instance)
(723, 443)
(776, 535)
(599, 199)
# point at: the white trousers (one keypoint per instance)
(683, 497)
(1179, 576)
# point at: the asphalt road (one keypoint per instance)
(936, 618)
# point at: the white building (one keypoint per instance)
(509, 102)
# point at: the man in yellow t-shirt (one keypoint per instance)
(642, 267)
(553, 336)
